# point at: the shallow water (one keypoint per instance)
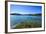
(15, 19)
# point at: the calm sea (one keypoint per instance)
(15, 19)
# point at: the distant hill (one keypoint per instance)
(26, 14)
(15, 14)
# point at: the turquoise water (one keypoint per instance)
(15, 19)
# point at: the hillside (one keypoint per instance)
(26, 14)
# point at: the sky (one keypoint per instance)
(25, 9)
